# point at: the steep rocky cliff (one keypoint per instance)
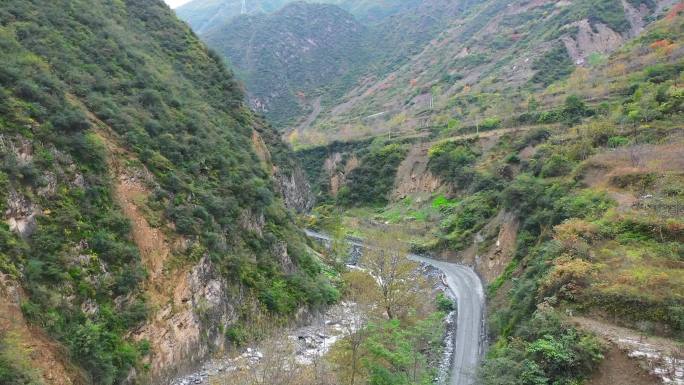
(139, 224)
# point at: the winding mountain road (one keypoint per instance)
(469, 337)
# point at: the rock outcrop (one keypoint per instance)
(295, 189)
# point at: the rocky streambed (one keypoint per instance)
(307, 343)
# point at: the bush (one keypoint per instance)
(557, 165)
(372, 181)
(452, 161)
(545, 350)
(491, 123)
(237, 335)
(444, 303)
(660, 73)
(554, 65)
(466, 218)
(574, 110)
(617, 141)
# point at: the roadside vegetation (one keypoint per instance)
(593, 171)
(396, 334)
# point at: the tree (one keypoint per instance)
(361, 291)
(386, 259)
(575, 109)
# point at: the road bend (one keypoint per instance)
(470, 301)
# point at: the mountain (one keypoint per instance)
(304, 56)
(560, 183)
(152, 220)
(485, 64)
(541, 143)
(143, 203)
(205, 15)
(284, 56)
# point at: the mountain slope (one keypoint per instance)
(285, 55)
(570, 211)
(496, 48)
(205, 15)
(305, 56)
(128, 162)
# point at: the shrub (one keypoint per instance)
(554, 65)
(660, 73)
(557, 165)
(371, 182)
(237, 335)
(452, 161)
(574, 110)
(617, 141)
(491, 123)
(545, 350)
(444, 303)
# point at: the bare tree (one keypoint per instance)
(361, 291)
(386, 259)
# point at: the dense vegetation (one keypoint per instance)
(293, 56)
(484, 64)
(372, 181)
(205, 15)
(367, 183)
(283, 57)
(149, 83)
(586, 160)
(589, 169)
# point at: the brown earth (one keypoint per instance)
(45, 355)
(130, 191)
(639, 159)
(618, 369)
(261, 149)
(656, 355)
(413, 176)
(173, 329)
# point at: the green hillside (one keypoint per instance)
(304, 56)
(485, 64)
(570, 211)
(153, 217)
(285, 56)
(206, 15)
(90, 92)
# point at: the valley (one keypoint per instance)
(342, 192)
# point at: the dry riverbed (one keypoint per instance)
(303, 347)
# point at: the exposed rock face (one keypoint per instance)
(590, 39)
(337, 168)
(493, 247)
(500, 254)
(413, 176)
(192, 304)
(188, 328)
(293, 186)
(280, 251)
(295, 189)
(21, 214)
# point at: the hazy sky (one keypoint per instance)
(175, 3)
